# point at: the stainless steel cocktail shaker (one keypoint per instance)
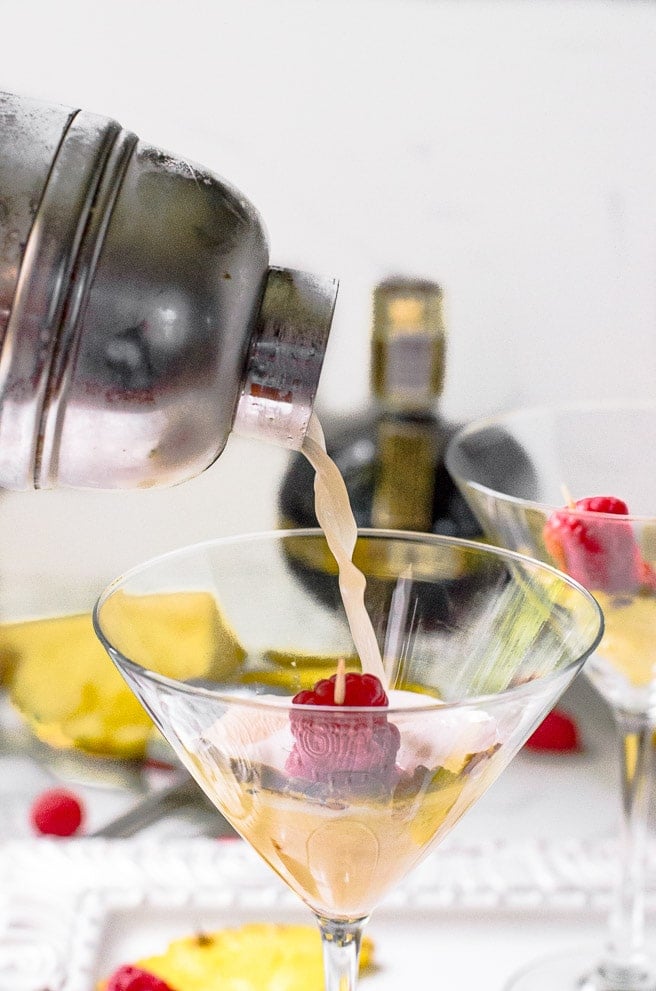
(140, 321)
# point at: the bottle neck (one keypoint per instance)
(407, 373)
(408, 451)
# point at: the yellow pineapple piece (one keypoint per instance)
(434, 809)
(64, 684)
(296, 670)
(178, 634)
(254, 957)
(629, 640)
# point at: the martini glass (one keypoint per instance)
(517, 471)
(340, 801)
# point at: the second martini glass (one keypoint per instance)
(343, 797)
(531, 476)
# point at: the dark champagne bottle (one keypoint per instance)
(392, 457)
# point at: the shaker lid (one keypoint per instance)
(408, 343)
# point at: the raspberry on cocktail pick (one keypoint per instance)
(344, 689)
(600, 553)
(360, 745)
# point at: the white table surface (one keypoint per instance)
(526, 871)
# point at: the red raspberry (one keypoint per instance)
(129, 978)
(57, 812)
(556, 732)
(360, 689)
(360, 746)
(603, 504)
(600, 553)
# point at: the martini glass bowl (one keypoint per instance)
(342, 801)
(528, 475)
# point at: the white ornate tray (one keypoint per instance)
(472, 913)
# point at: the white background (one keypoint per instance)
(506, 148)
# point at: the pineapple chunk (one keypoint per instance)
(178, 634)
(253, 957)
(294, 671)
(64, 684)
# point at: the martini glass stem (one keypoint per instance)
(625, 965)
(341, 952)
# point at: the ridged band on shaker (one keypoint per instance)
(25, 164)
(284, 363)
(56, 269)
(62, 367)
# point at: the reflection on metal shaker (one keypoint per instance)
(140, 321)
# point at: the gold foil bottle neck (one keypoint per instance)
(408, 452)
(408, 344)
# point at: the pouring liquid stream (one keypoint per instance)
(335, 517)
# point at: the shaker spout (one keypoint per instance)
(286, 355)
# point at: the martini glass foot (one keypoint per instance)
(579, 970)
